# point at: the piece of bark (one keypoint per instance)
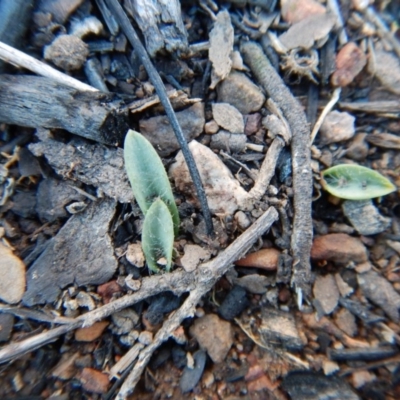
(279, 327)
(35, 102)
(362, 354)
(81, 253)
(161, 24)
(308, 385)
(95, 165)
(221, 47)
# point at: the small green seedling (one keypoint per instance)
(354, 182)
(154, 196)
(158, 236)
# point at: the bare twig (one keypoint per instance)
(177, 282)
(302, 177)
(207, 275)
(20, 59)
(267, 170)
(155, 79)
(335, 98)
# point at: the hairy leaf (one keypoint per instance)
(147, 175)
(158, 235)
(354, 182)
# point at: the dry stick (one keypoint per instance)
(266, 172)
(207, 275)
(20, 59)
(335, 98)
(155, 79)
(177, 282)
(302, 177)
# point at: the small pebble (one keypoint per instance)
(234, 303)
(265, 259)
(191, 376)
(228, 117)
(67, 52)
(94, 381)
(338, 247)
(211, 127)
(337, 127)
(214, 335)
(90, 333)
(146, 338)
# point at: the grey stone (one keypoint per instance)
(228, 117)
(365, 217)
(378, 290)
(159, 132)
(6, 325)
(239, 91)
(337, 127)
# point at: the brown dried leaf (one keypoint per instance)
(221, 47)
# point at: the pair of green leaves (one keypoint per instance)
(354, 182)
(154, 196)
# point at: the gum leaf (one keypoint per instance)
(147, 175)
(354, 182)
(158, 236)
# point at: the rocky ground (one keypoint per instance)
(260, 309)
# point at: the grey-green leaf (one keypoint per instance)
(147, 175)
(354, 182)
(158, 235)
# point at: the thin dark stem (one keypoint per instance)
(155, 79)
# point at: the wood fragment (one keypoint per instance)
(97, 116)
(20, 59)
(390, 106)
(161, 24)
(327, 109)
(302, 178)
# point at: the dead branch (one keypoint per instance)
(206, 277)
(302, 177)
(20, 59)
(177, 282)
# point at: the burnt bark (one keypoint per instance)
(36, 102)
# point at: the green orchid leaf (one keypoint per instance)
(354, 182)
(147, 175)
(158, 236)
